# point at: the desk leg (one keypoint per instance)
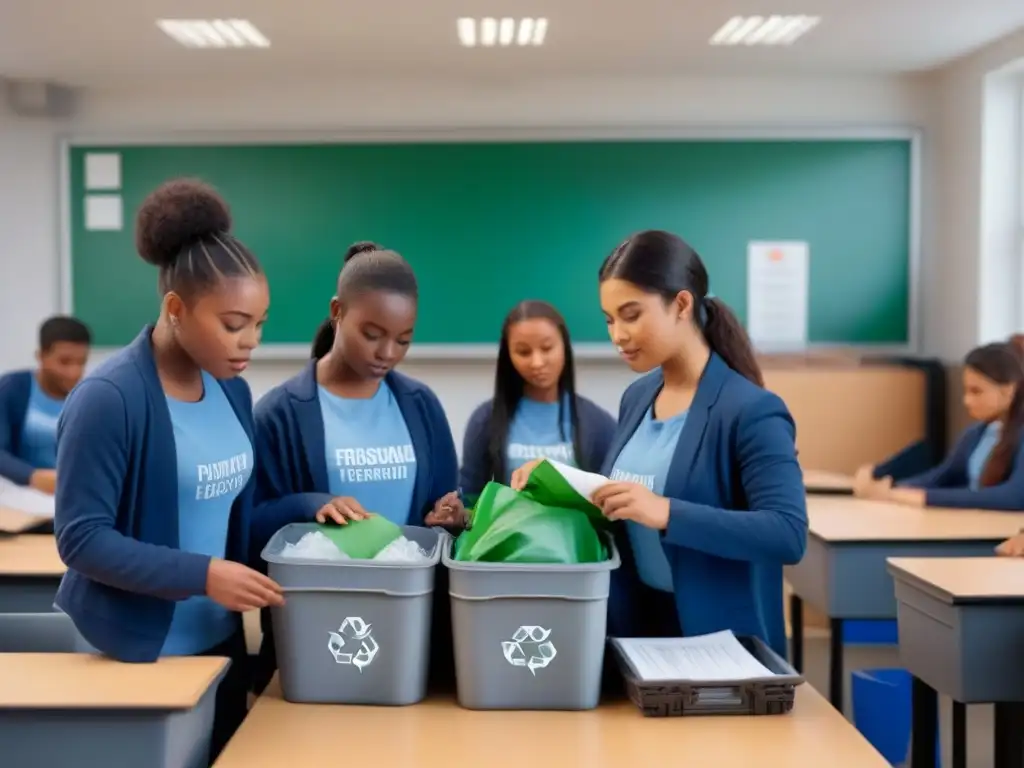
(835, 664)
(924, 724)
(796, 625)
(1009, 736)
(959, 735)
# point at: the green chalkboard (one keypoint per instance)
(488, 224)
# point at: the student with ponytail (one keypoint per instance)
(985, 469)
(705, 488)
(155, 449)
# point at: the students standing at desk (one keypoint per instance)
(155, 452)
(704, 475)
(985, 469)
(31, 402)
(535, 412)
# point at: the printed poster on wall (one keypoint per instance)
(778, 287)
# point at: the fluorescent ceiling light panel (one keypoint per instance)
(764, 30)
(213, 33)
(503, 33)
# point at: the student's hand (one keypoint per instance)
(1012, 547)
(875, 490)
(448, 511)
(521, 475)
(240, 588)
(632, 501)
(863, 478)
(44, 480)
(340, 510)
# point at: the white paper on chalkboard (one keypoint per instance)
(103, 213)
(102, 170)
(778, 288)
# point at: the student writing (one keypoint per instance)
(705, 483)
(985, 469)
(31, 402)
(155, 451)
(535, 411)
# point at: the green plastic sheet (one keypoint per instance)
(362, 539)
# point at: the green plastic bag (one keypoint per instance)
(550, 521)
(362, 539)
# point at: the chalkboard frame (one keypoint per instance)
(456, 351)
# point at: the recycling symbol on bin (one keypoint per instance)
(353, 632)
(530, 648)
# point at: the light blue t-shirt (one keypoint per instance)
(370, 456)
(38, 444)
(979, 456)
(215, 461)
(645, 460)
(535, 433)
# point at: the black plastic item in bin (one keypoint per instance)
(671, 698)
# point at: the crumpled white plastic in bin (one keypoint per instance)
(315, 546)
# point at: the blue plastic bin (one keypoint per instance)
(870, 632)
(882, 712)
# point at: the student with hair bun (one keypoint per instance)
(156, 457)
(985, 469)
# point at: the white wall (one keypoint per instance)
(29, 163)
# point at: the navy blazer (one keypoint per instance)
(738, 510)
(596, 425)
(117, 506)
(15, 391)
(291, 463)
(946, 485)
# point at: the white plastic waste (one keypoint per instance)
(315, 546)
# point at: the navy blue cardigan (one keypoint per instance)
(15, 390)
(291, 463)
(738, 509)
(946, 484)
(596, 425)
(117, 506)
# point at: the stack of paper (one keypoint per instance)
(705, 658)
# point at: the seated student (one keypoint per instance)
(985, 469)
(155, 450)
(535, 411)
(31, 402)
(704, 481)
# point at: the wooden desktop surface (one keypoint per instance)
(16, 521)
(965, 578)
(845, 519)
(87, 681)
(440, 733)
(30, 555)
(815, 479)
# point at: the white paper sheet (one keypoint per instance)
(778, 288)
(25, 499)
(103, 170)
(705, 658)
(103, 213)
(585, 483)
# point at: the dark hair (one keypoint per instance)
(1002, 363)
(376, 269)
(509, 387)
(663, 263)
(63, 328)
(183, 227)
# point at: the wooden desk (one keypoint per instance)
(835, 483)
(439, 733)
(13, 521)
(843, 573)
(30, 572)
(64, 710)
(961, 624)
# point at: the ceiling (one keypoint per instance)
(106, 42)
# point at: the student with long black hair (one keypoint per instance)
(985, 469)
(155, 449)
(535, 412)
(705, 488)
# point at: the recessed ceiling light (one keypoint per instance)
(490, 32)
(764, 30)
(214, 33)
